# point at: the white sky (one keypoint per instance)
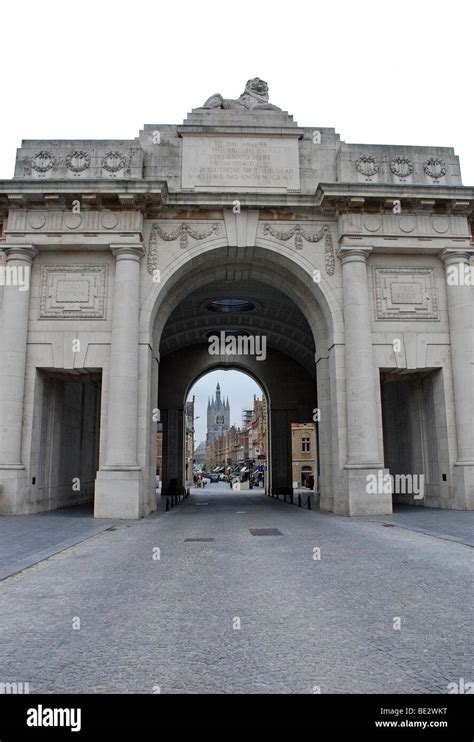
(398, 72)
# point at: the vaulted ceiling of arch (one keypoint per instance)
(275, 315)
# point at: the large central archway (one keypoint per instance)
(282, 304)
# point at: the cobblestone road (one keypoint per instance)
(304, 623)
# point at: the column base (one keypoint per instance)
(463, 481)
(364, 491)
(118, 494)
(14, 491)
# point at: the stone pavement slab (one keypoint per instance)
(453, 525)
(28, 539)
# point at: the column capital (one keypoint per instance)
(449, 256)
(19, 252)
(133, 251)
(353, 254)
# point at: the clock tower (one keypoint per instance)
(218, 416)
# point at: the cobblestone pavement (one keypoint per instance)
(27, 539)
(304, 622)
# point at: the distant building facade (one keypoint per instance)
(257, 431)
(240, 446)
(189, 439)
(303, 446)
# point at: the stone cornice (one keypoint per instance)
(359, 196)
(140, 194)
(246, 200)
(146, 201)
(239, 130)
(148, 196)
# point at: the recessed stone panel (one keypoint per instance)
(373, 223)
(407, 223)
(36, 221)
(228, 163)
(109, 220)
(73, 291)
(405, 293)
(72, 221)
(440, 224)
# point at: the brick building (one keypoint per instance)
(303, 446)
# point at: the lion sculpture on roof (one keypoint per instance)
(254, 97)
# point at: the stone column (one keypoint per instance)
(363, 422)
(324, 434)
(461, 327)
(13, 329)
(173, 447)
(13, 345)
(117, 492)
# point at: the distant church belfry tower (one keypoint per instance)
(218, 416)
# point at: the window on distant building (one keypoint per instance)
(305, 445)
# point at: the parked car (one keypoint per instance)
(214, 478)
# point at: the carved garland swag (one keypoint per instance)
(299, 234)
(183, 230)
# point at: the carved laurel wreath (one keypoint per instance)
(78, 161)
(42, 161)
(367, 165)
(435, 168)
(401, 166)
(299, 234)
(113, 162)
(182, 231)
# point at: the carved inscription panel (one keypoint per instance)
(405, 293)
(73, 291)
(228, 163)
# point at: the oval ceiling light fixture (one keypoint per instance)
(233, 304)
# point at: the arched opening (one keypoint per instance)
(226, 418)
(243, 309)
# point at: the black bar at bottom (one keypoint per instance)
(404, 716)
